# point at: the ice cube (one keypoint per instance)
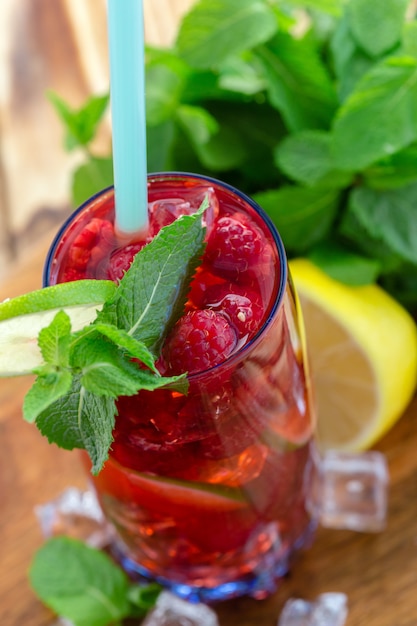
(350, 491)
(329, 609)
(77, 514)
(173, 611)
(165, 211)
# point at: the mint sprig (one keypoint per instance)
(85, 586)
(73, 398)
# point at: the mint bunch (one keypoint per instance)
(316, 118)
(73, 400)
(85, 586)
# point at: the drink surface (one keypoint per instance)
(202, 488)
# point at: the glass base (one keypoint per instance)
(259, 584)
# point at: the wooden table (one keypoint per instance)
(378, 572)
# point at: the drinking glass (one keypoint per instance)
(208, 492)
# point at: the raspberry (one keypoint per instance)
(70, 274)
(201, 283)
(241, 305)
(89, 247)
(121, 260)
(236, 249)
(198, 341)
(80, 251)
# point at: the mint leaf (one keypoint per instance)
(240, 74)
(121, 338)
(306, 158)
(90, 178)
(197, 123)
(81, 124)
(350, 62)
(45, 391)
(380, 116)
(409, 38)
(105, 371)
(54, 340)
(80, 583)
(298, 83)
(386, 218)
(377, 26)
(344, 265)
(214, 31)
(143, 598)
(152, 293)
(223, 151)
(332, 7)
(160, 140)
(303, 216)
(164, 87)
(397, 170)
(80, 419)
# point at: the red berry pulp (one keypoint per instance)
(203, 489)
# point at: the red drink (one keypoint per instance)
(208, 491)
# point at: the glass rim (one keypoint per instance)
(158, 176)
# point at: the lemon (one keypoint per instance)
(23, 317)
(362, 348)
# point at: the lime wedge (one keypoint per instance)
(165, 494)
(23, 317)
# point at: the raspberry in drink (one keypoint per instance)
(207, 491)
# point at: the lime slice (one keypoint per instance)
(186, 493)
(165, 494)
(362, 347)
(23, 317)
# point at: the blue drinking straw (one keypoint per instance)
(127, 96)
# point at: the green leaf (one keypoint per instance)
(81, 124)
(331, 7)
(197, 123)
(144, 597)
(105, 371)
(45, 391)
(380, 116)
(398, 170)
(160, 140)
(224, 151)
(386, 218)
(241, 75)
(377, 26)
(152, 293)
(251, 129)
(54, 340)
(217, 147)
(214, 30)
(298, 83)
(402, 285)
(409, 39)
(306, 158)
(164, 85)
(350, 61)
(203, 85)
(120, 338)
(80, 583)
(344, 265)
(90, 178)
(80, 420)
(303, 216)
